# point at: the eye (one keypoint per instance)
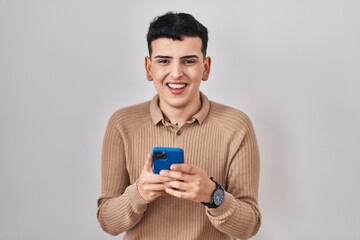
(189, 61)
(163, 61)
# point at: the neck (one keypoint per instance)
(179, 115)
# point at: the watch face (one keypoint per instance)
(218, 197)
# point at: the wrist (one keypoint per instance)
(141, 194)
(136, 200)
(217, 196)
(210, 191)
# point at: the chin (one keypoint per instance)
(176, 103)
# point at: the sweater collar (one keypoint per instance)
(157, 116)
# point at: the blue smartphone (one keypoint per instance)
(164, 157)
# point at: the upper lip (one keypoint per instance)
(176, 83)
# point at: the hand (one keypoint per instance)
(191, 183)
(150, 185)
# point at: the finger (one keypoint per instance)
(152, 195)
(155, 187)
(176, 175)
(156, 194)
(160, 179)
(154, 179)
(178, 185)
(178, 194)
(148, 163)
(186, 168)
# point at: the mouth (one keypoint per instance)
(176, 85)
(176, 88)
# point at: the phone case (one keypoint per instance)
(164, 157)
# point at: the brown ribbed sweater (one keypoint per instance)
(219, 139)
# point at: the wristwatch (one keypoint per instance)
(217, 197)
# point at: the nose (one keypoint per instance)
(176, 70)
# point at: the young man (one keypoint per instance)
(218, 142)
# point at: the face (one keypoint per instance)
(177, 69)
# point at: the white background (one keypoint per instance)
(291, 65)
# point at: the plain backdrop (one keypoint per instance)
(293, 66)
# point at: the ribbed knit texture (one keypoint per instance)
(224, 144)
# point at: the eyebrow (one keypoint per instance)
(184, 57)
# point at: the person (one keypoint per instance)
(214, 194)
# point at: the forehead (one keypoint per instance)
(177, 48)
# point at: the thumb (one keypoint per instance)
(148, 163)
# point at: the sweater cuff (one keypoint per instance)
(135, 198)
(223, 208)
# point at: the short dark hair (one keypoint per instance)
(176, 26)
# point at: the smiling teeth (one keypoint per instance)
(176, 86)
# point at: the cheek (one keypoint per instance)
(196, 74)
(158, 82)
(197, 71)
(158, 73)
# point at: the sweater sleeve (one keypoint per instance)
(120, 206)
(239, 215)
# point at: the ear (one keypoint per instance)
(207, 66)
(148, 68)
